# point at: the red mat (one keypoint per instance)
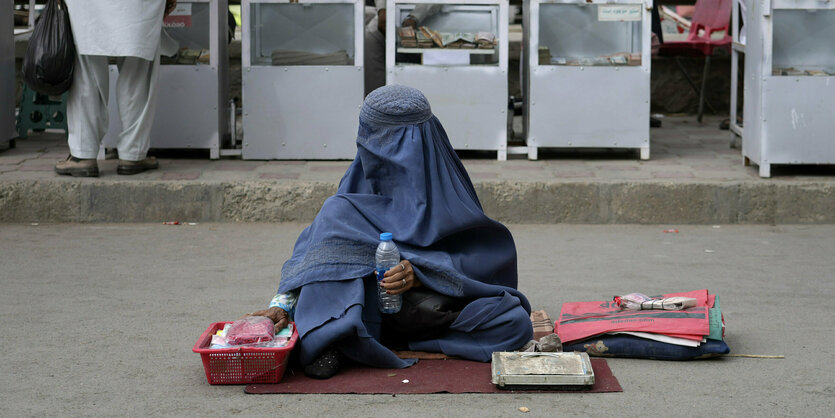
(427, 376)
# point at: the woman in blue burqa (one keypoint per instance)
(458, 271)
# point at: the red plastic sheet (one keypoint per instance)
(427, 376)
(579, 320)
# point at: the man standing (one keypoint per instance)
(128, 30)
(375, 41)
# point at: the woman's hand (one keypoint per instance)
(400, 278)
(409, 21)
(276, 314)
(381, 20)
(170, 5)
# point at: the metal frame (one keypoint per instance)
(568, 106)
(30, 24)
(788, 119)
(471, 100)
(737, 51)
(301, 111)
(192, 110)
(7, 78)
(32, 14)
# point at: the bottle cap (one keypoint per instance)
(385, 236)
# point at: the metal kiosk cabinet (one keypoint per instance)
(192, 109)
(302, 78)
(467, 88)
(7, 79)
(737, 52)
(586, 68)
(789, 86)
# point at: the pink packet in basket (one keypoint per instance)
(250, 330)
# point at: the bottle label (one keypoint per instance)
(380, 275)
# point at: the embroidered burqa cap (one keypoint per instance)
(395, 105)
(405, 179)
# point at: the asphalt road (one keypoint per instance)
(100, 319)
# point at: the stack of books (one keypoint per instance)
(544, 55)
(435, 36)
(287, 57)
(408, 38)
(425, 37)
(595, 326)
(485, 40)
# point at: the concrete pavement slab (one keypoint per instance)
(100, 319)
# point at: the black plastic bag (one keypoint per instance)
(50, 57)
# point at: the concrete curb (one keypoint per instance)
(82, 200)
(659, 203)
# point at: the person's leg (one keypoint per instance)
(136, 91)
(486, 325)
(86, 116)
(375, 57)
(338, 322)
(655, 23)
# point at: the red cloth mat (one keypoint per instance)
(427, 376)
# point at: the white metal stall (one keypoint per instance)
(466, 87)
(193, 87)
(302, 78)
(586, 69)
(789, 91)
(7, 79)
(737, 56)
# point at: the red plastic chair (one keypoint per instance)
(709, 16)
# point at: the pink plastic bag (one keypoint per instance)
(250, 330)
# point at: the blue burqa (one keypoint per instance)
(405, 179)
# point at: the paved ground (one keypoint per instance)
(693, 177)
(682, 150)
(100, 319)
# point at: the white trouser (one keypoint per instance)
(87, 116)
(375, 57)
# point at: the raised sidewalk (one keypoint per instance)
(692, 177)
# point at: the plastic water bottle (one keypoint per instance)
(387, 257)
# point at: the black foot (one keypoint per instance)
(326, 366)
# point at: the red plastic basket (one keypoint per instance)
(242, 365)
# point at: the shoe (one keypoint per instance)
(325, 366)
(654, 122)
(77, 167)
(128, 167)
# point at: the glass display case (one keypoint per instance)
(586, 74)
(188, 25)
(7, 78)
(803, 42)
(789, 90)
(589, 34)
(192, 109)
(453, 30)
(457, 57)
(286, 34)
(302, 78)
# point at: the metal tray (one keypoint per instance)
(542, 369)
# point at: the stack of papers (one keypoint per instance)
(689, 327)
(287, 57)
